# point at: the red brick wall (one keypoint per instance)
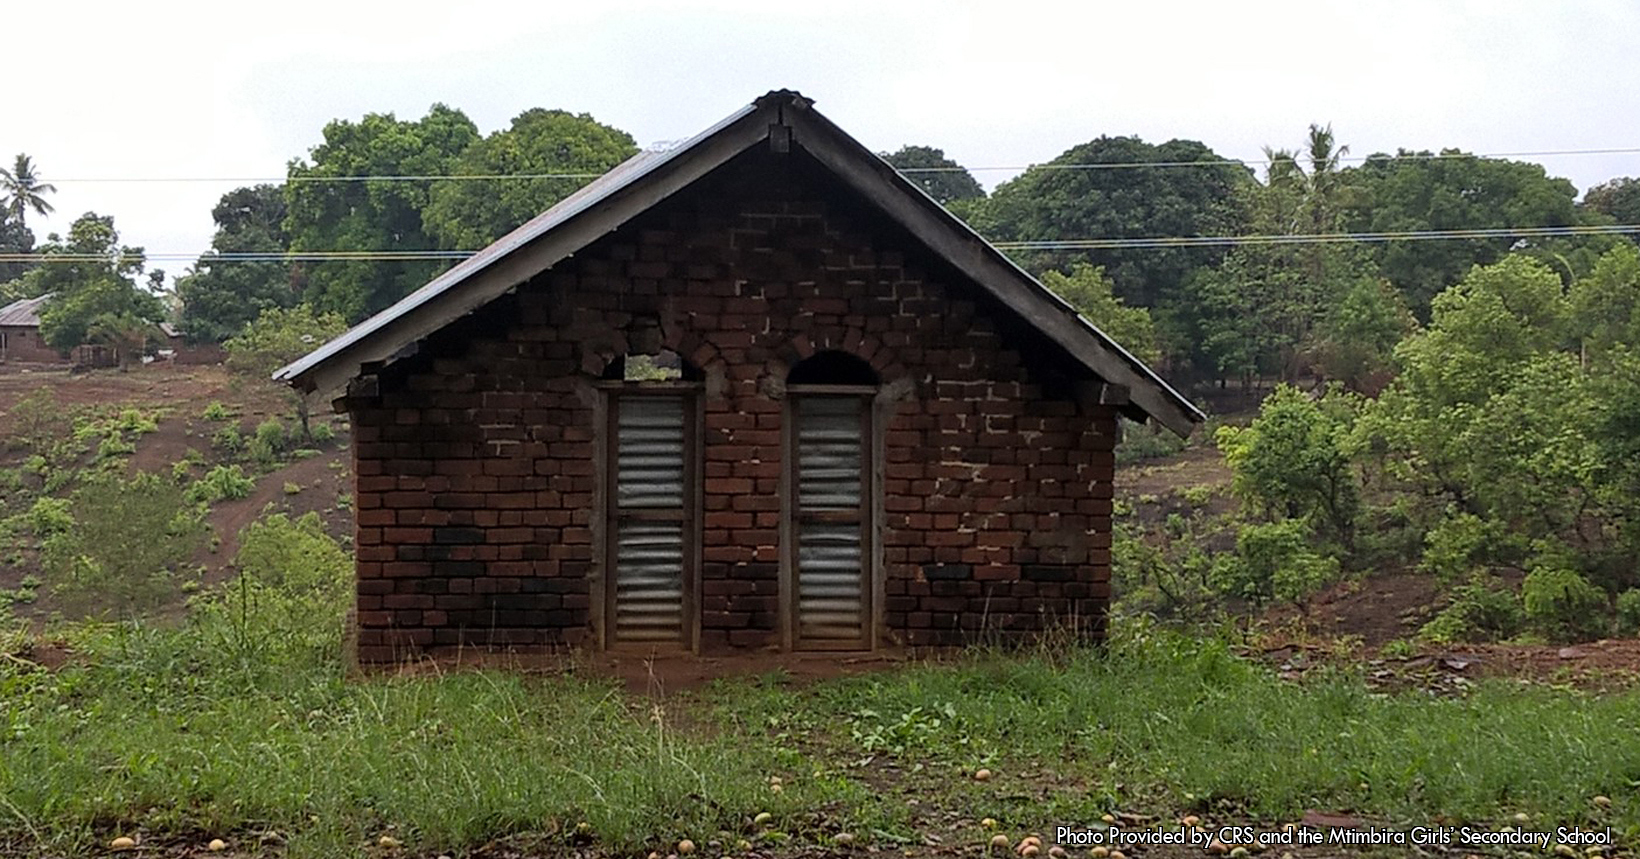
(23, 345)
(475, 460)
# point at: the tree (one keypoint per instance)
(1356, 337)
(1419, 191)
(15, 238)
(370, 215)
(940, 177)
(95, 297)
(222, 295)
(469, 215)
(277, 337)
(23, 190)
(1066, 200)
(1618, 199)
(1093, 295)
(126, 542)
(1293, 462)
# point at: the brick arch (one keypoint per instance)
(851, 340)
(596, 355)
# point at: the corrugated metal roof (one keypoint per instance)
(24, 311)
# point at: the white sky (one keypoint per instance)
(221, 89)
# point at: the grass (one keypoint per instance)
(202, 730)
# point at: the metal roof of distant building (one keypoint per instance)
(24, 312)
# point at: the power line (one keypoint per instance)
(1121, 165)
(1113, 243)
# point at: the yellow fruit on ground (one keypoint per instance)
(982, 775)
(989, 823)
(387, 841)
(122, 843)
(1029, 850)
(654, 854)
(1117, 854)
(686, 846)
(1099, 852)
(844, 838)
(1217, 846)
(1108, 818)
(774, 779)
(1603, 801)
(217, 845)
(1000, 841)
(1056, 852)
(762, 818)
(776, 788)
(1191, 820)
(743, 845)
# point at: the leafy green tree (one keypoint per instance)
(1093, 295)
(1417, 191)
(370, 215)
(22, 191)
(1272, 561)
(277, 337)
(468, 215)
(95, 297)
(1293, 462)
(15, 238)
(1065, 199)
(1605, 305)
(1618, 199)
(938, 176)
(1356, 337)
(222, 295)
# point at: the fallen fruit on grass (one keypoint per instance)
(1108, 818)
(1239, 853)
(743, 845)
(776, 787)
(654, 854)
(217, 845)
(1099, 852)
(387, 841)
(1056, 852)
(1191, 820)
(762, 818)
(1000, 841)
(122, 843)
(844, 838)
(1030, 841)
(1217, 846)
(1521, 817)
(1029, 850)
(982, 775)
(1603, 801)
(686, 846)
(1117, 854)
(989, 823)
(774, 779)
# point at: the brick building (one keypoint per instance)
(756, 391)
(20, 340)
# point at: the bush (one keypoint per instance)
(39, 422)
(216, 412)
(1457, 545)
(1146, 441)
(120, 554)
(1273, 561)
(1562, 604)
(288, 604)
(49, 517)
(272, 434)
(222, 482)
(323, 433)
(1628, 612)
(228, 440)
(1478, 612)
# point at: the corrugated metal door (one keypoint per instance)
(649, 506)
(832, 602)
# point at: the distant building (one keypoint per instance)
(20, 340)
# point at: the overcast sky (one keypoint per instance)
(156, 90)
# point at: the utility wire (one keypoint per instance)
(1122, 165)
(1054, 244)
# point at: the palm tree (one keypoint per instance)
(23, 190)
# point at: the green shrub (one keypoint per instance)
(1146, 441)
(135, 421)
(1628, 612)
(292, 488)
(1478, 612)
(114, 445)
(1457, 545)
(216, 412)
(39, 423)
(222, 482)
(288, 603)
(1562, 604)
(1198, 495)
(119, 556)
(228, 440)
(49, 517)
(271, 432)
(323, 433)
(1273, 561)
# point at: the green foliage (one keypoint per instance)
(371, 215)
(222, 296)
(1563, 605)
(1628, 612)
(1293, 462)
(471, 215)
(269, 443)
(216, 412)
(1412, 191)
(224, 482)
(938, 176)
(289, 601)
(323, 433)
(49, 517)
(1458, 544)
(1605, 305)
(1479, 611)
(278, 337)
(39, 422)
(1088, 290)
(1357, 334)
(1273, 561)
(95, 299)
(126, 542)
(1618, 199)
(1143, 441)
(228, 440)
